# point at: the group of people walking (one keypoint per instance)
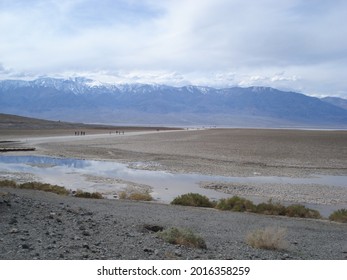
(84, 133)
(80, 133)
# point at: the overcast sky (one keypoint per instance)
(296, 45)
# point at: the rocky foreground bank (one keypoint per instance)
(38, 225)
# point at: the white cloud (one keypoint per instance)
(294, 44)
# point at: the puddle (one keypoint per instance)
(74, 174)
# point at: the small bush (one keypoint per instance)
(82, 194)
(193, 199)
(145, 196)
(271, 208)
(8, 183)
(239, 204)
(48, 188)
(339, 216)
(136, 195)
(297, 210)
(122, 195)
(267, 238)
(183, 237)
(35, 186)
(236, 203)
(44, 187)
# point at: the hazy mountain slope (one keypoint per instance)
(18, 122)
(337, 101)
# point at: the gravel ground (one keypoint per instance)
(38, 225)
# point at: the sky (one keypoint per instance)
(298, 45)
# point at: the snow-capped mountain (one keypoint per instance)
(85, 100)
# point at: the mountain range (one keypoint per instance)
(84, 100)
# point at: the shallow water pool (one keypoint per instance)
(110, 177)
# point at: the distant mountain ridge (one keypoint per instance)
(84, 100)
(337, 101)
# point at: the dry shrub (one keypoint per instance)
(83, 194)
(35, 186)
(183, 237)
(44, 187)
(145, 196)
(122, 195)
(8, 183)
(135, 194)
(268, 238)
(339, 216)
(297, 210)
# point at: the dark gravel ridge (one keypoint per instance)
(38, 225)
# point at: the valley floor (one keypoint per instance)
(116, 226)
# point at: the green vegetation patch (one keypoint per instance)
(48, 188)
(8, 183)
(297, 210)
(339, 216)
(193, 199)
(271, 208)
(83, 194)
(35, 186)
(237, 204)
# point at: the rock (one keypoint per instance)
(51, 215)
(154, 228)
(82, 228)
(13, 221)
(285, 257)
(26, 246)
(178, 253)
(14, 230)
(148, 250)
(87, 213)
(86, 233)
(50, 247)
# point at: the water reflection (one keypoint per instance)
(72, 173)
